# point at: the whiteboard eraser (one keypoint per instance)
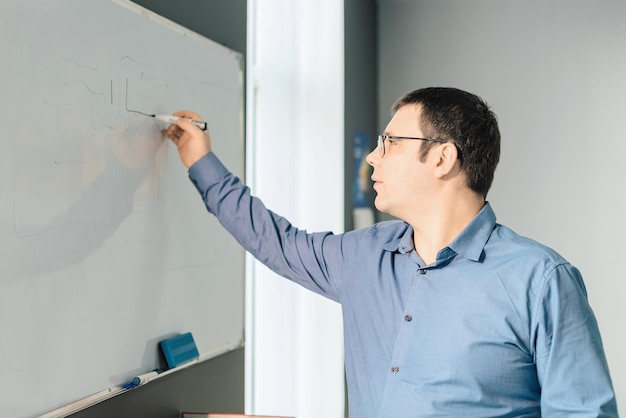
(179, 349)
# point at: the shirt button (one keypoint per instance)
(395, 369)
(408, 318)
(422, 271)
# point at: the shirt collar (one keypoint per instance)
(469, 243)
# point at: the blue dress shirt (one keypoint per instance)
(498, 326)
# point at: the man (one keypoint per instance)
(446, 313)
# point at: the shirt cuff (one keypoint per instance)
(207, 171)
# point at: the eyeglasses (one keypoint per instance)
(383, 138)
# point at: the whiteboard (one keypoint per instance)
(107, 247)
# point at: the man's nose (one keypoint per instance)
(372, 157)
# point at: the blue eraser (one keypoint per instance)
(179, 349)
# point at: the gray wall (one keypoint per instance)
(222, 21)
(553, 71)
(361, 81)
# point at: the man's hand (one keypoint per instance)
(192, 142)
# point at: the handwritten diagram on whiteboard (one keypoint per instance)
(106, 246)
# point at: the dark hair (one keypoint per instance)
(464, 119)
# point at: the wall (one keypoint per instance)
(361, 81)
(222, 21)
(554, 74)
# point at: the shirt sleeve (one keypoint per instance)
(309, 259)
(571, 364)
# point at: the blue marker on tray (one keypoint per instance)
(142, 378)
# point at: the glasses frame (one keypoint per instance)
(382, 138)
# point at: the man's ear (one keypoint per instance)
(447, 157)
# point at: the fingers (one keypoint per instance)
(185, 125)
(177, 130)
(192, 142)
(188, 114)
(174, 132)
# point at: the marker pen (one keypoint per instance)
(173, 119)
(142, 378)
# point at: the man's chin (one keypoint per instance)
(380, 206)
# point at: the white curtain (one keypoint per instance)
(294, 344)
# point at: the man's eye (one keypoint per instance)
(392, 141)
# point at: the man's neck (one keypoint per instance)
(434, 230)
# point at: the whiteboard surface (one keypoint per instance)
(107, 248)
